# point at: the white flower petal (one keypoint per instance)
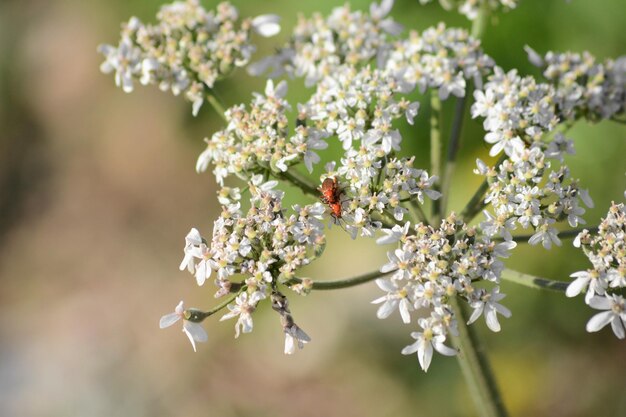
(576, 286)
(492, 319)
(600, 320)
(168, 319)
(266, 25)
(618, 327)
(386, 309)
(425, 355)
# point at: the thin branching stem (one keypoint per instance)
(532, 281)
(420, 212)
(342, 283)
(453, 148)
(475, 366)
(300, 181)
(476, 203)
(197, 316)
(566, 234)
(436, 147)
(217, 104)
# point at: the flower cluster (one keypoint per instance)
(606, 251)
(374, 188)
(517, 111)
(519, 196)
(319, 45)
(439, 58)
(265, 246)
(434, 265)
(470, 8)
(523, 189)
(187, 51)
(584, 87)
(260, 139)
(362, 73)
(360, 105)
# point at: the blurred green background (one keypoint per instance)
(98, 189)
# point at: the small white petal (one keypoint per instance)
(425, 355)
(476, 314)
(618, 328)
(290, 346)
(168, 319)
(492, 319)
(266, 25)
(600, 320)
(386, 309)
(576, 286)
(404, 310)
(600, 303)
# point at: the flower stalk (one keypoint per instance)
(472, 359)
(475, 367)
(532, 281)
(436, 147)
(341, 283)
(453, 149)
(217, 104)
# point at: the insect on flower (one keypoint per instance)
(330, 195)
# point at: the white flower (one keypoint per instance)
(294, 337)
(125, 60)
(615, 314)
(411, 112)
(194, 331)
(591, 279)
(394, 234)
(534, 57)
(192, 239)
(425, 342)
(488, 303)
(396, 298)
(546, 235)
(276, 92)
(380, 11)
(196, 249)
(266, 25)
(243, 308)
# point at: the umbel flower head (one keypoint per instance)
(470, 8)
(365, 78)
(601, 283)
(431, 266)
(260, 138)
(319, 44)
(187, 51)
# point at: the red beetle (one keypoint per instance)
(330, 195)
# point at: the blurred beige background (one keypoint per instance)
(98, 190)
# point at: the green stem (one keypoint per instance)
(420, 213)
(435, 149)
(475, 367)
(342, 283)
(476, 204)
(472, 359)
(300, 181)
(453, 148)
(197, 316)
(217, 104)
(532, 281)
(385, 218)
(479, 25)
(566, 234)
